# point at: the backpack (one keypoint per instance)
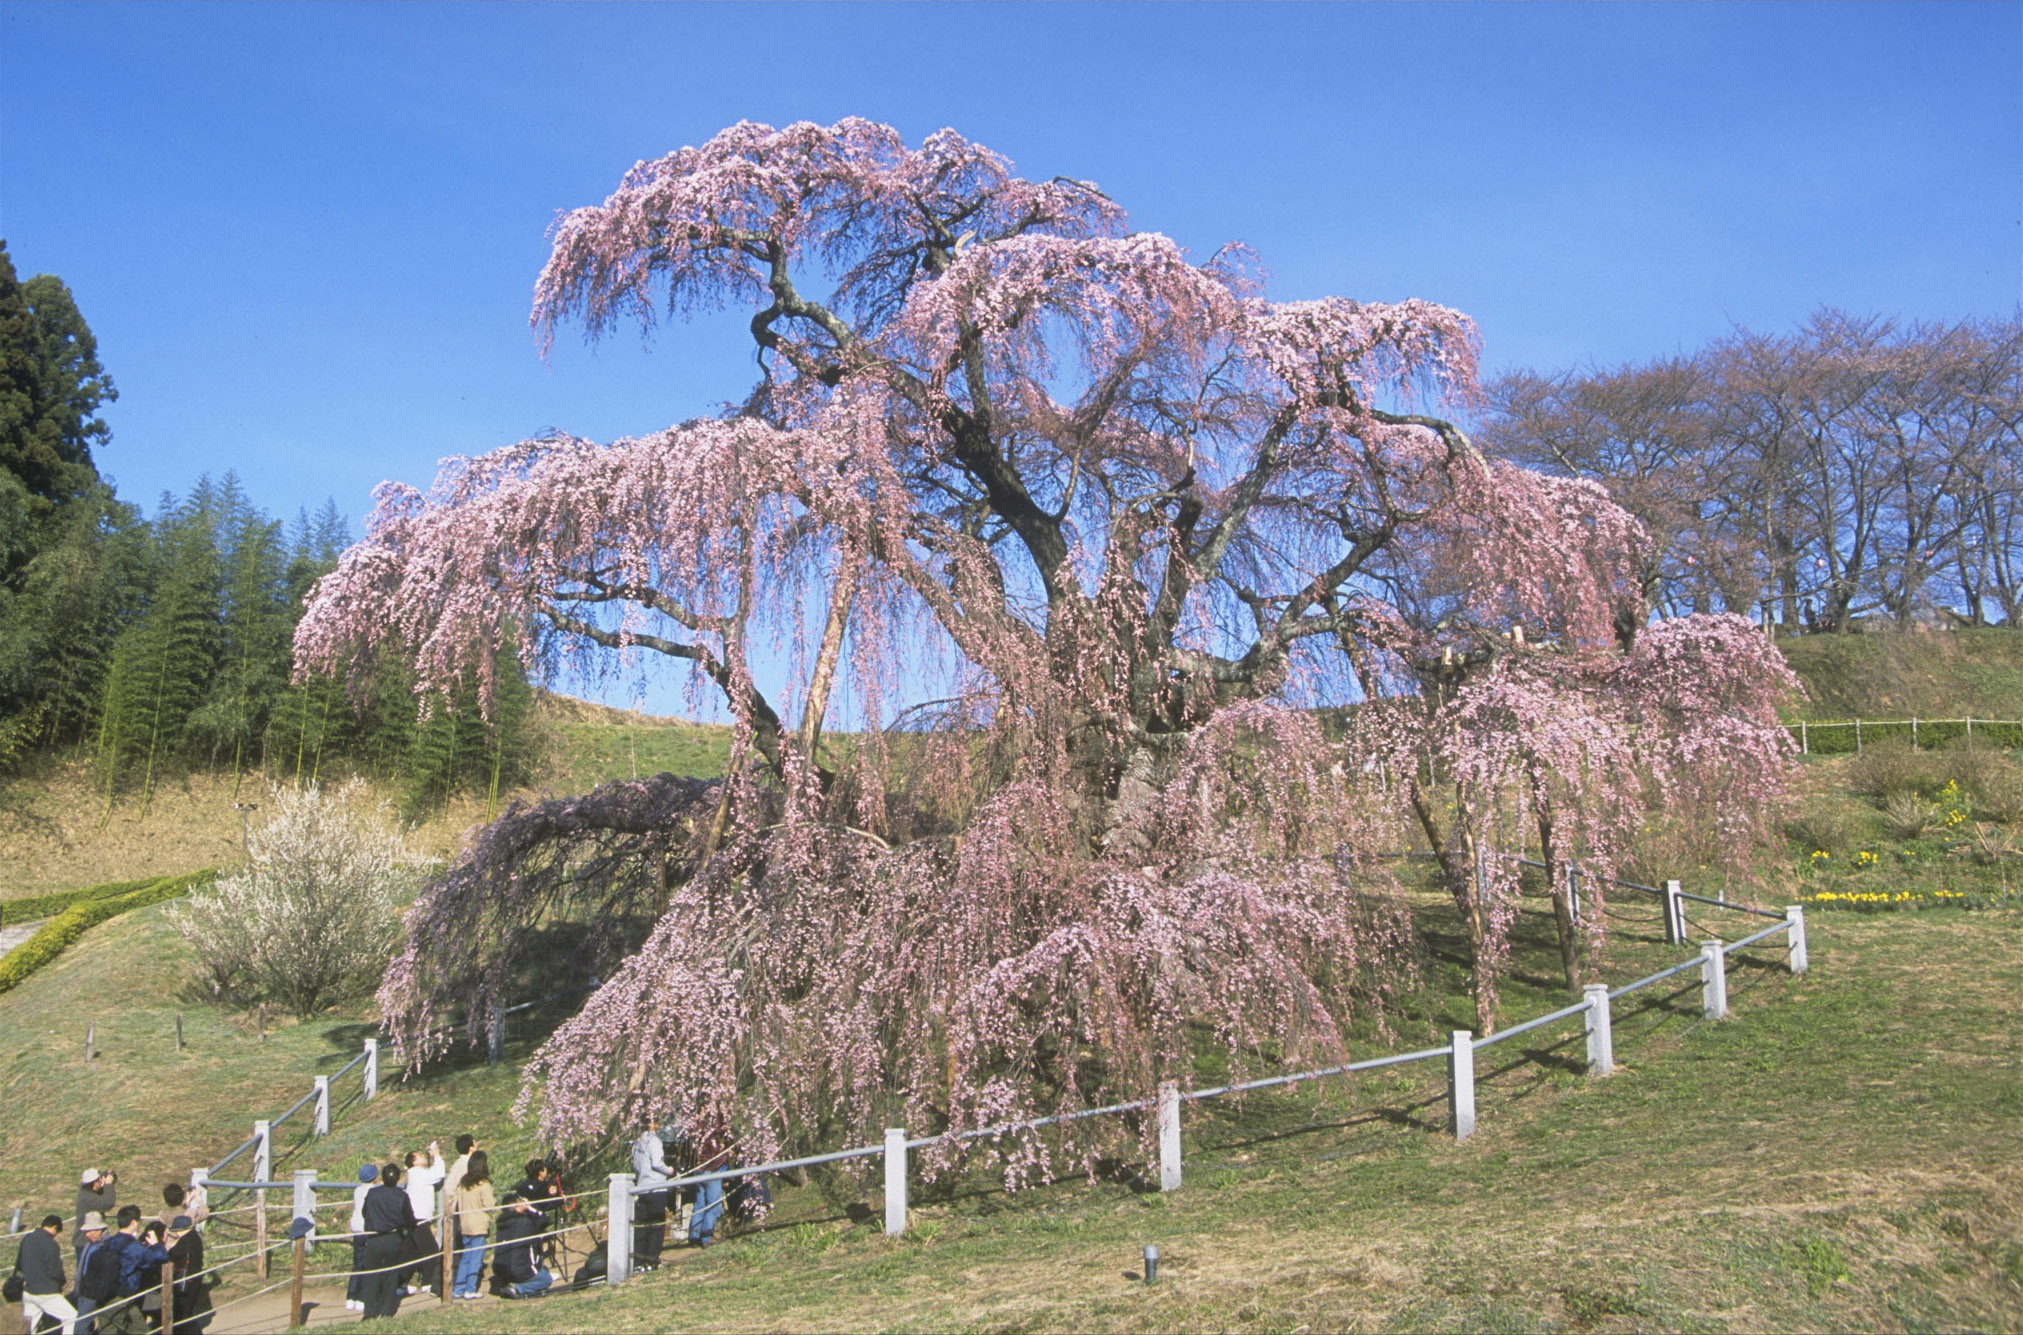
(98, 1269)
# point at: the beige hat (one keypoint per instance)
(90, 1176)
(92, 1219)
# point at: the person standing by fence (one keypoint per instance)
(354, 1288)
(96, 1191)
(649, 1207)
(424, 1172)
(192, 1287)
(93, 1229)
(389, 1219)
(40, 1262)
(468, 1202)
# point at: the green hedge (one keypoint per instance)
(54, 936)
(30, 907)
(1838, 739)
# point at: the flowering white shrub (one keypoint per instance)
(314, 915)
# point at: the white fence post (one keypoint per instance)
(1675, 915)
(895, 1181)
(200, 1190)
(1601, 1042)
(305, 1197)
(263, 1151)
(618, 1230)
(1713, 980)
(1794, 937)
(322, 1105)
(371, 1068)
(495, 1036)
(1461, 1083)
(1169, 1136)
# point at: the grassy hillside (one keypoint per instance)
(1845, 1153)
(1948, 674)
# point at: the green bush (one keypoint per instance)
(1828, 829)
(56, 935)
(30, 907)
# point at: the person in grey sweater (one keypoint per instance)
(96, 1191)
(40, 1262)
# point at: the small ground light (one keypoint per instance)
(1151, 1264)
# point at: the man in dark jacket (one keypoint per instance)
(96, 1191)
(40, 1262)
(93, 1229)
(515, 1262)
(389, 1219)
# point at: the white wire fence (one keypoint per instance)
(1850, 736)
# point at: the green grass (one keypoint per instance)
(1892, 676)
(1845, 1153)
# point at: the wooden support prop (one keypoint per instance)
(179, 1031)
(296, 1316)
(168, 1298)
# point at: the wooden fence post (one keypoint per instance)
(895, 1181)
(263, 1163)
(1169, 1136)
(1461, 1083)
(179, 1031)
(447, 1222)
(1794, 938)
(618, 1229)
(371, 1069)
(1601, 1043)
(1713, 980)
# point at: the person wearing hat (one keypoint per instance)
(354, 1288)
(40, 1263)
(95, 1191)
(192, 1289)
(91, 1229)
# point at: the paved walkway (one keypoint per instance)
(12, 936)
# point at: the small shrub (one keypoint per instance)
(313, 917)
(1909, 816)
(1891, 768)
(1824, 829)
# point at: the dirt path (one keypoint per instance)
(11, 936)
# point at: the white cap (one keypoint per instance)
(90, 1176)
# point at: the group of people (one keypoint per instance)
(118, 1268)
(747, 1196)
(397, 1208)
(396, 1250)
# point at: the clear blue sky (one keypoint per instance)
(306, 235)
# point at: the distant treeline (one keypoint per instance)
(1858, 469)
(157, 645)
